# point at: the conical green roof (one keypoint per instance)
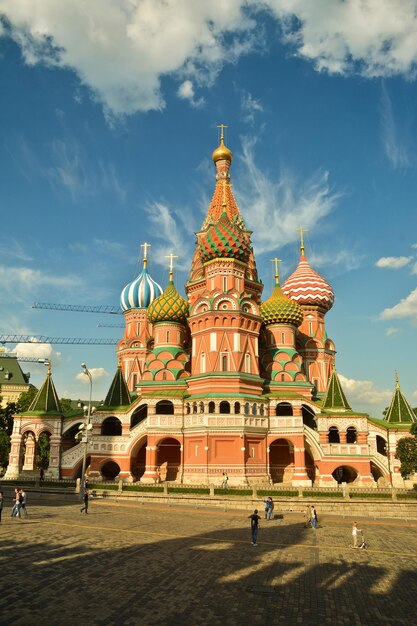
(118, 394)
(46, 400)
(335, 397)
(399, 410)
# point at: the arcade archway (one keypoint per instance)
(281, 461)
(345, 474)
(168, 458)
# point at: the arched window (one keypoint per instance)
(134, 380)
(282, 337)
(187, 407)
(261, 409)
(203, 363)
(164, 407)
(247, 408)
(253, 409)
(225, 363)
(167, 336)
(283, 409)
(334, 435)
(201, 405)
(247, 363)
(194, 407)
(351, 435)
(111, 426)
(224, 407)
(381, 445)
(237, 407)
(164, 375)
(211, 407)
(139, 415)
(225, 283)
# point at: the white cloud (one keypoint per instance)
(11, 248)
(363, 391)
(38, 350)
(407, 307)
(175, 230)
(414, 269)
(250, 107)
(96, 374)
(274, 209)
(393, 262)
(414, 394)
(12, 278)
(372, 37)
(122, 49)
(392, 331)
(186, 92)
(394, 145)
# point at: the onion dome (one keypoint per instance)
(141, 292)
(224, 239)
(279, 309)
(222, 153)
(307, 287)
(170, 306)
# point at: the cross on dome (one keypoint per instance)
(302, 230)
(145, 247)
(276, 263)
(171, 258)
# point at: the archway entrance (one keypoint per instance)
(377, 473)
(68, 438)
(281, 461)
(309, 417)
(344, 474)
(43, 449)
(168, 458)
(110, 470)
(138, 459)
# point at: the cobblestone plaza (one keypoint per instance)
(150, 564)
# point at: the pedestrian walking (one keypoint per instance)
(308, 518)
(41, 474)
(313, 517)
(225, 480)
(355, 531)
(269, 508)
(1, 503)
(24, 502)
(17, 503)
(254, 524)
(85, 499)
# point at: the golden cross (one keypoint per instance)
(222, 127)
(301, 231)
(276, 261)
(171, 258)
(145, 247)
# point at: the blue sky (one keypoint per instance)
(108, 116)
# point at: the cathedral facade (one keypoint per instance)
(222, 381)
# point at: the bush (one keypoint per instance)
(233, 492)
(204, 490)
(291, 493)
(407, 496)
(101, 486)
(322, 494)
(149, 488)
(358, 494)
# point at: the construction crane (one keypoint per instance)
(110, 325)
(26, 359)
(81, 308)
(57, 340)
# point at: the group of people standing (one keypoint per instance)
(19, 503)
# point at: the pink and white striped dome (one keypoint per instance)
(306, 286)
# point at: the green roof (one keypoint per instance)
(387, 425)
(400, 411)
(118, 394)
(335, 397)
(10, 371)
(46, 400)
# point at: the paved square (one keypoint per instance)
(150, 564)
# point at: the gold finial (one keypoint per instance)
(301, 231)
(145, 247)
(397, 383)
(222, 152)
(222, 127)
(276, 262)
(171, 258)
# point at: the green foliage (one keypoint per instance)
(202, 490)
(413, 429)
(25, 399)
(6, 417)
(376, 494)
(233, 492)
(407, 454)
(322, 494)
(4, 448)
(101, 487)
(151, 488)
(290, 493)
(43, 447)
(66, 405)
(407, 496)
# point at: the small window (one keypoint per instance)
(225, 283)
(225, 363)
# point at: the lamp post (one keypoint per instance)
(85, 429)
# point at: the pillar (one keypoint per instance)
(13, 469)
(54, 456)
(300, 477)
(29, 461)
(150, 475)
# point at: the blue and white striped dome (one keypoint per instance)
(140, 293)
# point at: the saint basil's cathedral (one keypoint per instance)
(222, 381)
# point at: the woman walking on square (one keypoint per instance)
(85, 499)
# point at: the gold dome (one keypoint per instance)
(222, 153)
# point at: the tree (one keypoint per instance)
(25, 399)
(66, 405)
(4, 448)
(43, 447)
(407, 453)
